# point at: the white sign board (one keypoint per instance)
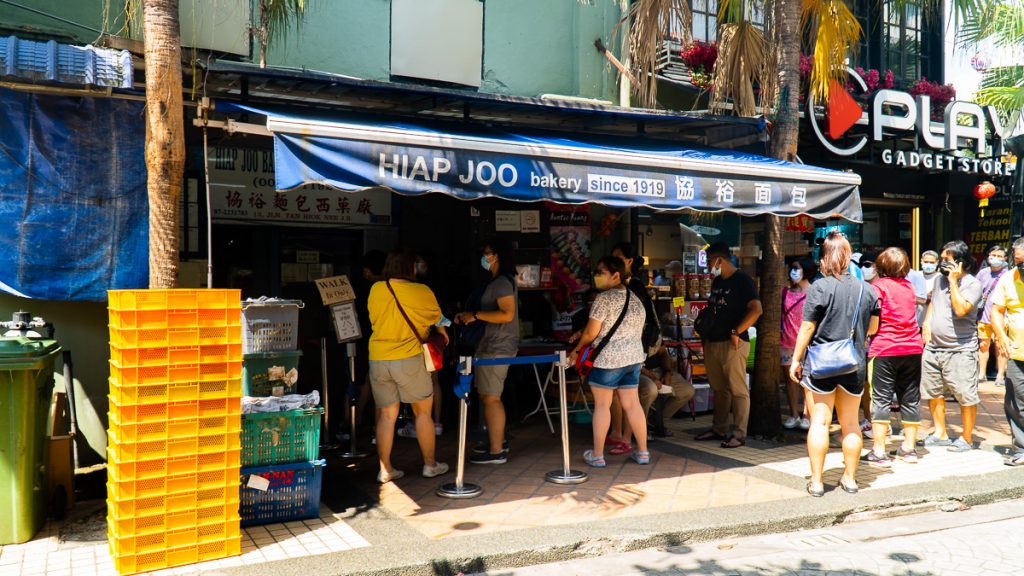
(529, 221)
(506, 221)
(242, 188)
(335, 289)
(346, 322)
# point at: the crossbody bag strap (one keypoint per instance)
(856, 310)
(615, 326)
(404, 315)
(992, 285)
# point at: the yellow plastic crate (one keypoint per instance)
(174, 299)
(164, 411)
(134, 395)
(204, 488)
(193, 427)
(202, 552)
(172, 355)
(175, 373)
(121, 525)
(155, 337)
(174, 447)
(149, 505)
(120, 469)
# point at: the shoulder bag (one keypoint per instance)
(585, 359)
(835, 358)
(433, 346)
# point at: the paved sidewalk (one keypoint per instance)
(692, 491)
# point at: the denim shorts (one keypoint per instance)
(612, 378)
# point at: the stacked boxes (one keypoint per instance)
(281, 477)
(174, 436)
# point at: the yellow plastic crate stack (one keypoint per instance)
(174, 436)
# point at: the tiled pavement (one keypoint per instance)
(80, 548)
(684, 475)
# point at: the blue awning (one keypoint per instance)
(352, 153)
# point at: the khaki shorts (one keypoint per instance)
(490, 380)
(985, 332)
(405, 380)
(956, 371)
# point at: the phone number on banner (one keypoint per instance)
(607, 184)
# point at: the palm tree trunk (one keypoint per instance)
(764, 414)
(263, 32)
(165, 137)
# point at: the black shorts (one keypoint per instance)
(899, 376)
(852, 384)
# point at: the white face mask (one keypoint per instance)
(796, 274)
(929, 267)
(716, 271)
(869, 273)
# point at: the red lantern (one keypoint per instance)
(983, 191)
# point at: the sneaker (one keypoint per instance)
(805, 424)
(437, 469)
(385, 477)
(933, 440)
(866, 430)
(488, 458)
(908, 456)
(408, 431)
(485, 447)
(876, 460)
(960, 445)
(1000, 382)
(791, 422)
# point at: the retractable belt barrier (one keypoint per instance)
(459, 489)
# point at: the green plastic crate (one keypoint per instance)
(280, 437)
(256, 372)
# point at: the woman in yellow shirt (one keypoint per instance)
(397, 371)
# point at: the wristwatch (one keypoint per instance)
(734, 332)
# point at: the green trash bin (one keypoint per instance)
(26, 386)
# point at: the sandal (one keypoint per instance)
(734, 442)
(619, 448)
(640, 457)
(595, 461)
(816, 491)
(848, 487)
(709, 435)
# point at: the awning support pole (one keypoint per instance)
(204, 110)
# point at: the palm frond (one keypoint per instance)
(279, 16)
(648, 23)
(1002, 22)
(731, 10)
(1002, 87)
(742, 55)
(834, 29)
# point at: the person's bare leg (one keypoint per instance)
(909, 437)
(817, 434)
(880, 431)
(634, 414)
(386, 418)
(601, 417)
(865, 402)
(425, 429)
(937, 406)
(436, 411)
(793, 393)
(616, 433)
(968, 414)
(853, 442)
(494, 414)
(983, 349)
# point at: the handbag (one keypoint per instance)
(433, 346)
(835, 358)
(708, 326)
(585, 359)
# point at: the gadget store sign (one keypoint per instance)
(894, 111)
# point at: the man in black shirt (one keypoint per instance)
(732, 309)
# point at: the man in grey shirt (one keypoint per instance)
(950, 361)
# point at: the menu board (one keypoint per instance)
(570, 246)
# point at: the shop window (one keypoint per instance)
(905, 47)
(705, 19)
(439, 40)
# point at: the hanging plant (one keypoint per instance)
(940, 94)
(700, 58)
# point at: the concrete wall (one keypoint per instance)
(87, 13)
(81, 327)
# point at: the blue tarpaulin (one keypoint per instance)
(351, 153)
(72, 196)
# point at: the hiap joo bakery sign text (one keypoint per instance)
(892, 112)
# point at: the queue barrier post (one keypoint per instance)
(459, 489)
(353, 451)
(566, 475)
(326, 441)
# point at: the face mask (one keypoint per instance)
(868, 272)
(485, 263)
(929, 268)
(995, 262)
(716, 271)
(1020, 268)
(601, 281)
(796, 274)
(421, 269)
(945, 267)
